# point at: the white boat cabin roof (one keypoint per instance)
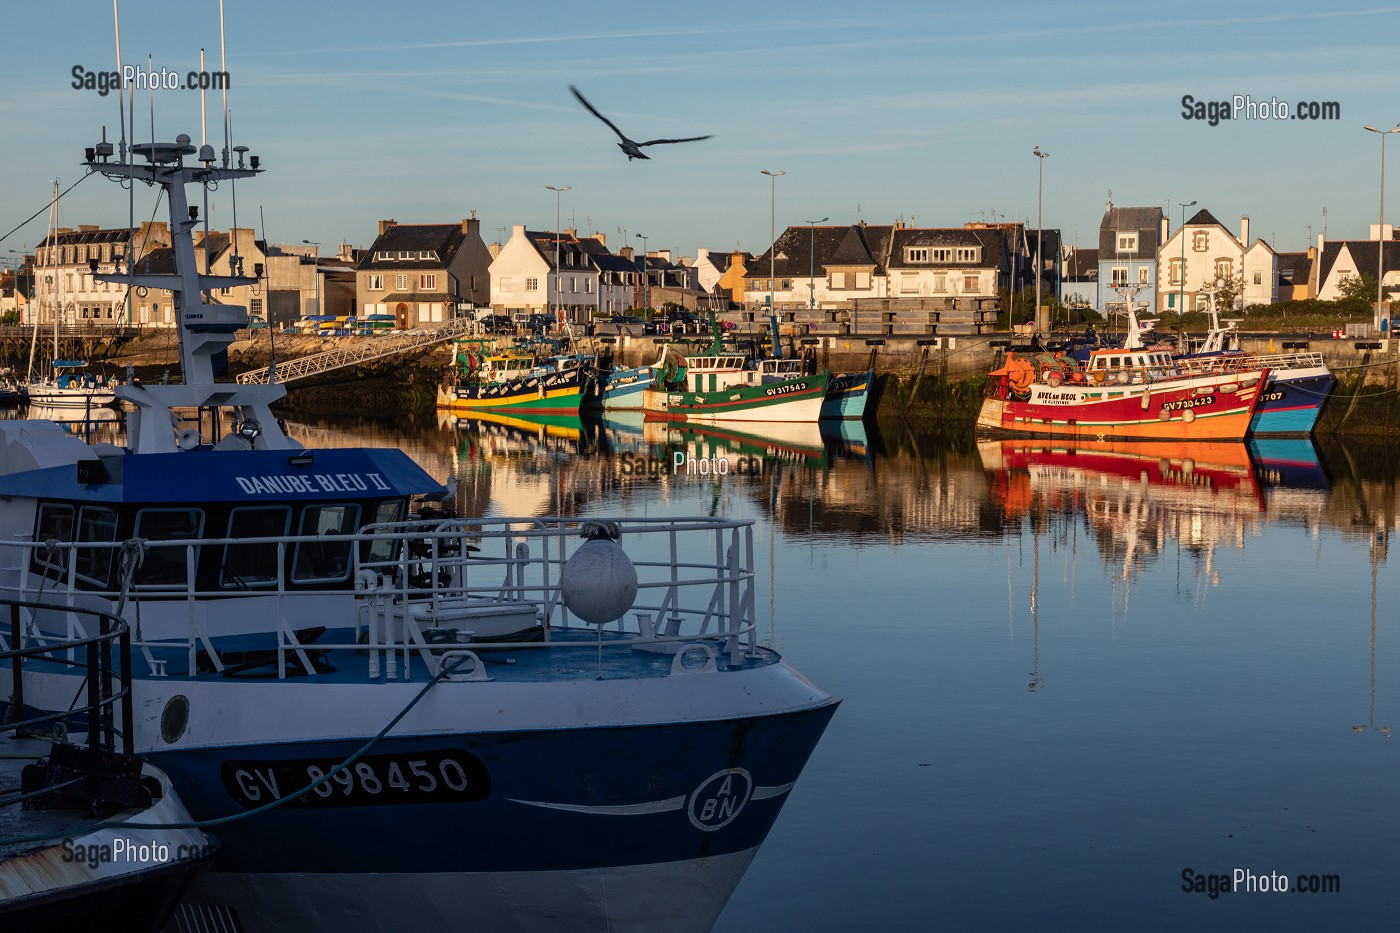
(1111, 360)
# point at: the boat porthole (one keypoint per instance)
(174, 719)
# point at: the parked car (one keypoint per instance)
(540, 323)
(496, 324)
(684, 322)
(626, 324)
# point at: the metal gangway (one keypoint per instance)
(370, 348)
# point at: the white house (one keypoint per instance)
(1203, 252)
(1339, 260)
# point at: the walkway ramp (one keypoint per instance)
(361, 351)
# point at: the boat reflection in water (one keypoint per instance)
(1135, 496)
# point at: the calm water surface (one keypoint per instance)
(1068, 674)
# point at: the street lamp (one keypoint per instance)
(1380, 228)
(646, 294)
(558, 193)
(812, 263)
(772, 228)
(1040, 158)
(316, 271)
(1181, 285)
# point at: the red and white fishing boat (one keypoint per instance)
(1120, 393)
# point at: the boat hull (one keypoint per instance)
(57, 397)
(623, 389)
(1198, 408)
(847, 394)
(789, 400)
(550, 810)
(1291, 404)
(551, 394)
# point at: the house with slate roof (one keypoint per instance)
(420, 273)
(1079, 277)
(721, 275)
(64, 268)
(1295, 281)
(1129, 239)
(1340, 260)
(1203, 252)
(524, 279)
(881, 279)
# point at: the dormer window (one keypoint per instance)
(916, 254)
(969, 253)
(942, 254)
(426, 254)
(405, 254)
(1127, 242)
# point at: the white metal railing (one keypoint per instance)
(402, 584)
(1242, 362)
(363, 351)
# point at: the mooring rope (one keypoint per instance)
(75, 831)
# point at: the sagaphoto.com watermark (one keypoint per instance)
(147, 78)
(1246, 107)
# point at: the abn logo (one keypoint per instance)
(720, 798)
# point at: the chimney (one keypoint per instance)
(1244, 231)
(625, 253)
(88, 228)
(1312, 253)
(346, 252)
(471, 226)
(385, 225)
(602, 238)
(571, 233)
(702, 254)
(1166, 226)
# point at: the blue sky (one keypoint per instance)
(426, 111)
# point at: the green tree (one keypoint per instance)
(1228, 292)
(1358, 289)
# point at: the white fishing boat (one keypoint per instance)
(319, 659)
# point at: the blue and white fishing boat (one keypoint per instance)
(408, 720)
(622, 388)
(847, 394)
(1298, 385)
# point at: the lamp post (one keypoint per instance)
(646, 294)
(1380, 229)
(1181, 285)
(772, 228)
(1040, 158)
(558, 193)
(316, 271)
(812, 263)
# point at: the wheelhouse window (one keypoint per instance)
(55, 524)
(253, 565)
(96, 525)
(326, 560)
(382, 549)
(166, 565)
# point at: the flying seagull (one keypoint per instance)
(631, 147)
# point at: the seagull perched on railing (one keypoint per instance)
(631, 147)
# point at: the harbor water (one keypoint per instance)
(1084, 687)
